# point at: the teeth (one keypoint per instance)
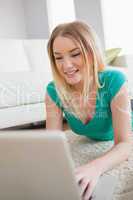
(71, 72)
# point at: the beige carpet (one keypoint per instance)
(83, 150)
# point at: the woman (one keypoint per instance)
(93, 99)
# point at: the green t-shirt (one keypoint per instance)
(100, 126)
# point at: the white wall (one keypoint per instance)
(32, 19)
(36, 19)
(12, 24)
(23, 19)
(90, 12)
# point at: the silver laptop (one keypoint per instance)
(36, 165)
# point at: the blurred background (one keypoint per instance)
(25, 26)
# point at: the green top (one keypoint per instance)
(100, 126)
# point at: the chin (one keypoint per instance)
(73, 82)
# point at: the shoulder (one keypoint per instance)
(113, 80)
(111, 73)
(51, 89)
(52, 92)
(50, 85)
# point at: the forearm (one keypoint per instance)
(113, 157)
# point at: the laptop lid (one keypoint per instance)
(35, 164)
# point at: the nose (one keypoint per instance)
(67, 64)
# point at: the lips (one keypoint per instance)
(71, 73)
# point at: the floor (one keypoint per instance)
(36, 125)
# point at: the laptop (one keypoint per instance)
(37, 165)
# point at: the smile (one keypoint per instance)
(70, 74)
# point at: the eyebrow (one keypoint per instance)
(69, 51)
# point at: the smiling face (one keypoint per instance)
(69, 60)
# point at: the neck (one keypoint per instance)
(78, 87)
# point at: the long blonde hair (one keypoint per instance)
(88, 42)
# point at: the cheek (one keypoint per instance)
(81, 65)
(79, 62)
(59, 69)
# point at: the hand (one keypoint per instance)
(87, 177)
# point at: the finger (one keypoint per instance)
(88, 193)
(79, 178)
(83, 186)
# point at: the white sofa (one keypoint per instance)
(22, 89)
(23, 82)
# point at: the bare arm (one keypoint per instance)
(89, 174)
(121, 115)
(54, 115)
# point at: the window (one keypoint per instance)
(118, 27)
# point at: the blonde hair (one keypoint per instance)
(88, 42)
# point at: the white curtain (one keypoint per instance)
(60, 11)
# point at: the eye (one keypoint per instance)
(76, 54)
(58, 58)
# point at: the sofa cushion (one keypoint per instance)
(24, 72)
(111, 54)
(22, 88)
(13, 56)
